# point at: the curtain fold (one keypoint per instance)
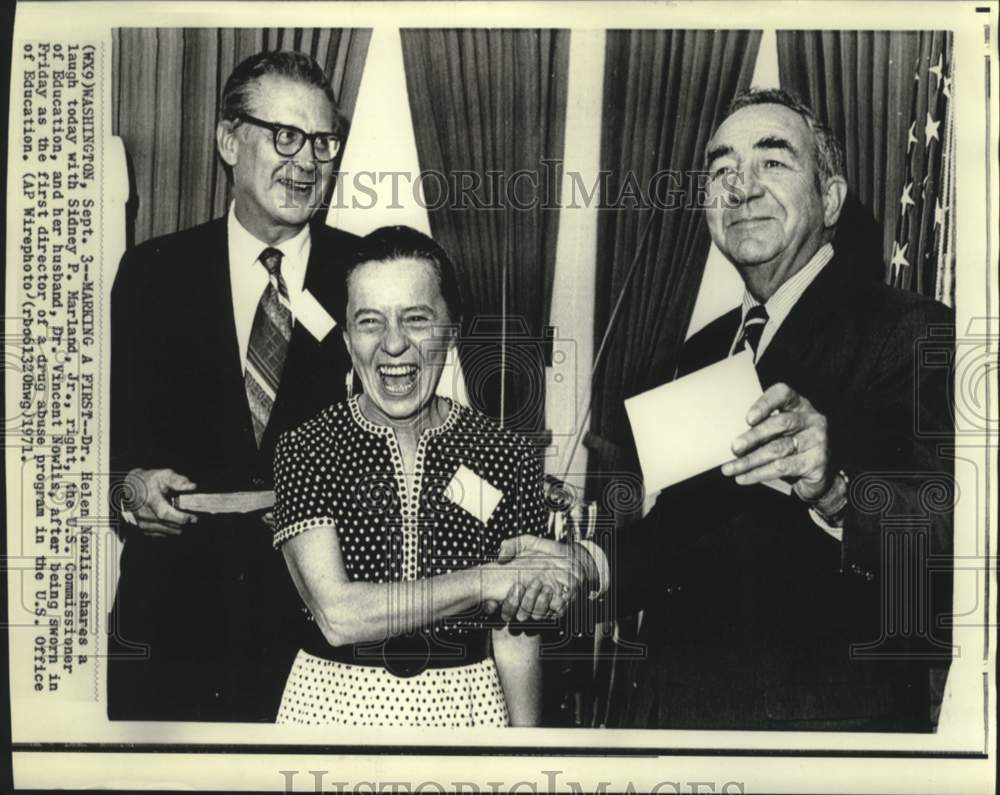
(886, 94)
(489, 111)
(664, 93)
(166, 91)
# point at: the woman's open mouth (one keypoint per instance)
(398, 379)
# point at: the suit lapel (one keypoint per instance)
(804, 330)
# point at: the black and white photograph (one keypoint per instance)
(502, 397)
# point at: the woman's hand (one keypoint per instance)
(549, 574)
(538, 581)
(498, 579)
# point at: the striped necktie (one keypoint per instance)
(753, 327)
(269, 336)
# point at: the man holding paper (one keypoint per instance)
(220, 342)
(809, 604)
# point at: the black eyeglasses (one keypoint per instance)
(288, 140)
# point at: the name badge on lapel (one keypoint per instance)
(311, 314)
(473, 494)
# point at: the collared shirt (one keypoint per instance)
(784, 299)
(249, 278)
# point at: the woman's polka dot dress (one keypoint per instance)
(341, 470)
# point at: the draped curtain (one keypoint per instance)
(664, 93)
(489, 111)
(887, 95)
(166, 90)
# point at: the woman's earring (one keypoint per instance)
(349, 383)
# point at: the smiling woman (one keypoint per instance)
(390, 508)
(399, 322)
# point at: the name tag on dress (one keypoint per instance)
(311, 314)
(470, 492)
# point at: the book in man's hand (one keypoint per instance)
(231, 502)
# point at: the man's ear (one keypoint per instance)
(834, 196)
(227, 142)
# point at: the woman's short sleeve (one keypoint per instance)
(303, 494)
(532, 512)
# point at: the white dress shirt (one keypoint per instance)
(249, 277)
(780, 304)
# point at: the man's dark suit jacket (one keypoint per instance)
(751, 609)
(204, 625)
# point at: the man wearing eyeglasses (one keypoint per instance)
(221, 340)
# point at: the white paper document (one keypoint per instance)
(688, 426)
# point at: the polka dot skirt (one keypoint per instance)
(324, 692)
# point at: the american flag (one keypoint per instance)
(923, 252)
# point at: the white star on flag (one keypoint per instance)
(899, 260)
(911, 139)
(939, 213)
(947, 87)
(936, 70)
(931, 130)
(906, 198)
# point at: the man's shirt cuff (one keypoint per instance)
(603, 569)
(128, 516)
(833, 530)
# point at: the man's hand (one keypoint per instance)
(149, 499)
(552, 575)
(787, 439)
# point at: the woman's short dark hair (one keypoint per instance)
(390, 243)
(289, 64)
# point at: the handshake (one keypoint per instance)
(538, 578)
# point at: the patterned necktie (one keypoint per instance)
(753, 327)
(269, 336)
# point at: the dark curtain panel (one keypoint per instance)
(664, 93)
(166, 91)
(489, 109)
(886, 94)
